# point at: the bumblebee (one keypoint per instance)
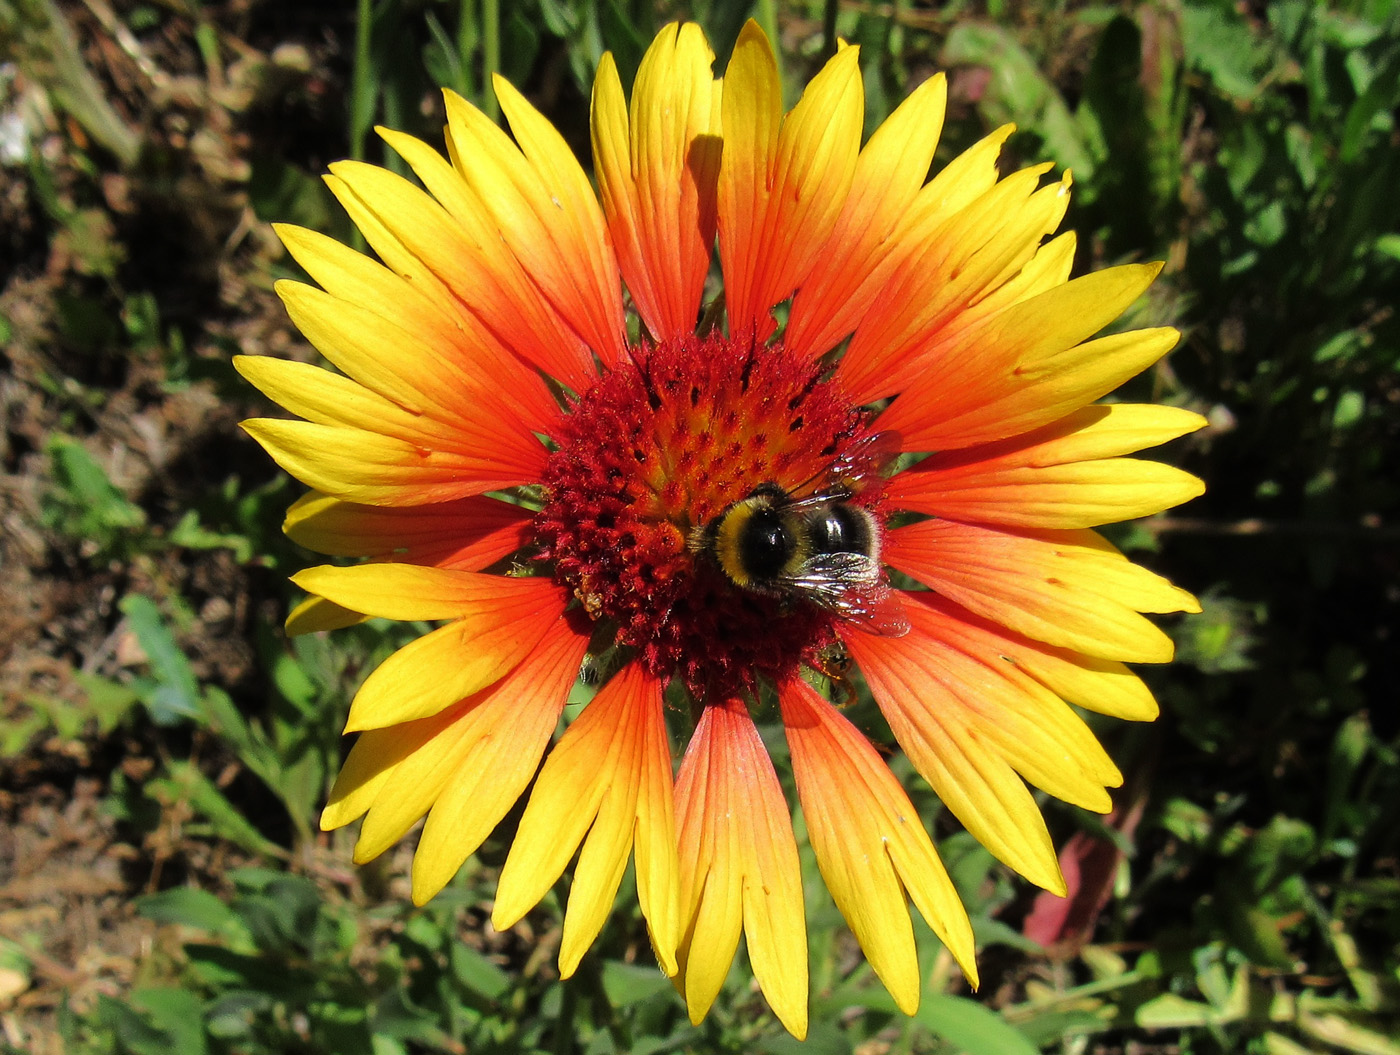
(811, 544)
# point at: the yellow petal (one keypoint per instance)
(468, 534)
(513, 724)
(370, 767)
(392, 336)
(782, 183)
(1057, 587)
(871, 845)
(958, 184)
(972, 779)
(1101, 685)
(495, 631)
(367, 467)
(458, 265)
(614, 756)
(1013, 714)
(657, 172)
(1054, 386)
(330, 399)
(316, 614)
(397, 774)
(851, 268)
(739, 869)
(407, 591)
(1075, 495)
(945, 275)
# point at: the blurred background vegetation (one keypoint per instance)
(164, 750)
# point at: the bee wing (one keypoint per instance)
(852, 586)
(820, 500)
(869, 456)
(846, 477)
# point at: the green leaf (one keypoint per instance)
(823, 1038)
(1268, 225)
(1387, 245)
(479, 974)
(187, 783)
(190, 907)
(283, 916)
(82, 503)
(280, 191)
(1170, 1011)
(177, 692)
(1349, 409)
(1258, 935)
(1350, 745)
(235, 1014)
(627, 983)
(189, 534)
(990, 932)
(1020, 91)
(1342, 345)
(18, 731)
(135, 1035)
(178, 1013)
(1220, 44)
(972, 1028)
(294, 684)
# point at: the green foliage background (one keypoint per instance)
(1256, 905)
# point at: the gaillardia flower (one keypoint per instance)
(543, 437)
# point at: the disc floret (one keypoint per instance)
(650, 455)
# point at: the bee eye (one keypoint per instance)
(766, 544)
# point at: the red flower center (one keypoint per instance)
(648, 459)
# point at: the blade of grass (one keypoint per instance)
(491, 55)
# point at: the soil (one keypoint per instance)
(86, 243)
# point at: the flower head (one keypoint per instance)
(713, 505)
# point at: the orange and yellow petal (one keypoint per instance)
(1066, 588)
(871, 845)
(948, 746)
(978, 707)
(536, 197)
(1026, 367)
(395, 336)
(607, 785)
(1065, 475)
(948, 266)
(315, 614)
(467, 534)
(525, 707)
(467, 764)
(458, 259)
(1101, 685)
(359, 465)
(855, 262)
(331, 399)
(739, 869)
(783, 181)
(657, 169)
(496, 622)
